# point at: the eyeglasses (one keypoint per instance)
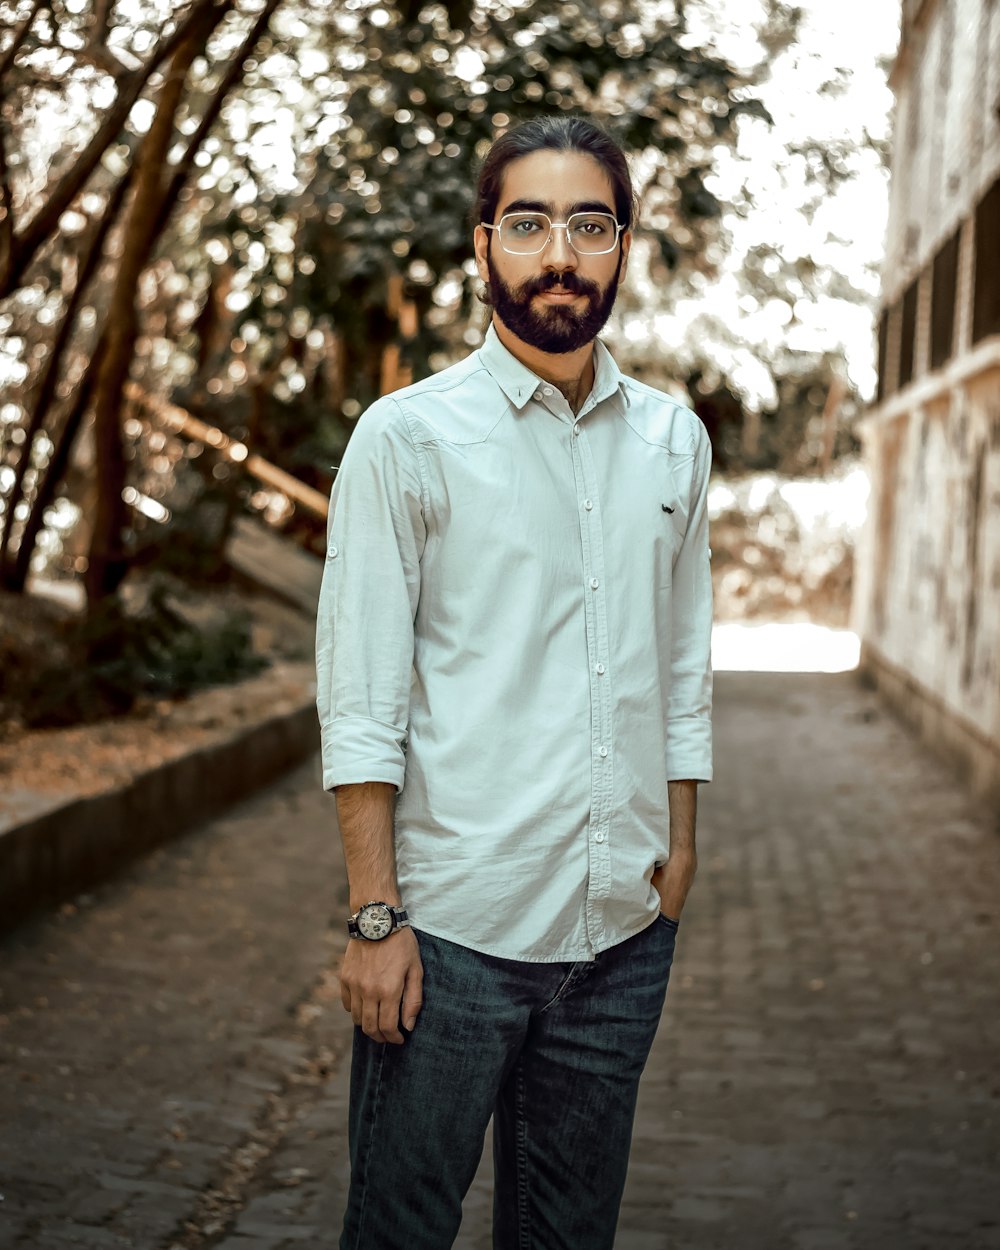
(527, 234)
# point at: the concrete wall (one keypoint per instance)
(946, 146)
(927, 597)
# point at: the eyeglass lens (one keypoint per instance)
(588, 233)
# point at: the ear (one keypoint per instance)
(626, 242)
(481, 240)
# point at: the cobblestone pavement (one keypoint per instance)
(172, 1071)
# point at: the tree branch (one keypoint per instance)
(15, 578)
(100, 24)
(90, 384)
(229, 80)
(6, 205)
(107, 564)
(46, 221)
(7, 61)
(45, 388)
(102, 58)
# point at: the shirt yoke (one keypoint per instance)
(461, 404)
(659, 419)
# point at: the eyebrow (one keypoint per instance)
(539, 206)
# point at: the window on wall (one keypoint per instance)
(908, 335)
(944, 285)
(884, 389)
(986, 291)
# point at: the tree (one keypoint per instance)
(349, 272)
(266, 218)
(150, 185)
(779, 336)
(393, 187)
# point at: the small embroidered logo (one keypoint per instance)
(666, 508)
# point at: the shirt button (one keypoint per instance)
(576, 429)
(333, 552)
(599, 836)
(546, 390)
(538, 395)
(599, 669)
(594, 583)
(604, 753)
(588, 504)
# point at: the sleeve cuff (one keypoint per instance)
(357, 749)
(690, 759)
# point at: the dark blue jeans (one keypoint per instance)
(553, 1052)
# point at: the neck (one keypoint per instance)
(570, 372)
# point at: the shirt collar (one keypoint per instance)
(519, 383)
(608, 378)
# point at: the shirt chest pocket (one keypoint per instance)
(658, 509)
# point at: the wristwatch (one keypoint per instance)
(375, 921)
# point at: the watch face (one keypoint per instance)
(375, 922)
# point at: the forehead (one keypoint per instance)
(557, 179)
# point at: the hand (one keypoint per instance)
(381, 983)
(672, 882)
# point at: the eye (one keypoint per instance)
(523, 225)
(592, 227)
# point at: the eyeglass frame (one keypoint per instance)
(553, 225)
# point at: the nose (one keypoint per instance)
(558, 254)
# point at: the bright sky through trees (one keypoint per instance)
(829, 87)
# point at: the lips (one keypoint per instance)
(567, 285)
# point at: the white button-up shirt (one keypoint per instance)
(514, 629)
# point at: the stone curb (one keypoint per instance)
(73, 844)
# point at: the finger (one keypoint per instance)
(413, 997)
(369, 1021)
(388, 1020)
(344, 982)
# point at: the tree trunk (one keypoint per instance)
(108, 561)
(44, 225)
(16, 576)
(15, 572)
(44, 391)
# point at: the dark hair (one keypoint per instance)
(563, 134)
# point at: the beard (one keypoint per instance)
(556, 328)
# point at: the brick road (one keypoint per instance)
(826, 1076)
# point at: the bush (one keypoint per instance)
(103, 664)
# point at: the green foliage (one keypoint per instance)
(394, 189)
(102, 665)
(395, 107)
(338, 180)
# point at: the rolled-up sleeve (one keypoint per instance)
(689, 711)
(369, 596)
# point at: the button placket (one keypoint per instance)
(595, 613)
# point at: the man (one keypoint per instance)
(514, 691)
